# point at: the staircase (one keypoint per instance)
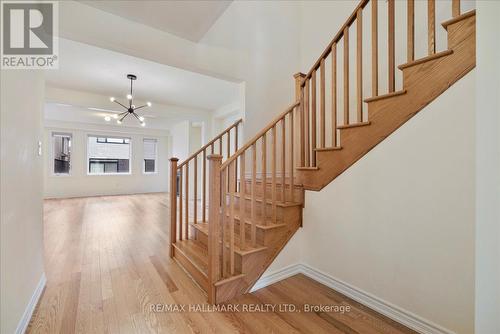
(251, 197)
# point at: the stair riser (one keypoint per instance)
(240, 260)
(280, 210)
(263, 237)
(247, 263)
(191, 269)
(456, 31)
(298, 193)
(201, 237)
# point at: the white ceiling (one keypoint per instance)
(87, 68)
(158, 117)
(186, 19)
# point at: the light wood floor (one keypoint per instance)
(106, 262)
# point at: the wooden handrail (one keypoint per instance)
(210, 143)
(259, 134)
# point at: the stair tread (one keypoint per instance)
(248, 248)
(353, 125)
(426, 59)
(225, 280)
(307, 168)
(327, 149)
(196, 252)
(459, 18)
(268, 226)
(385, 96)
(203, 227)
(269, 182)
(268, 201)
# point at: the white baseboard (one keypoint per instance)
(28, 312)
(276, 276)
(375, 303)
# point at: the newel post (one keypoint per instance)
(173, 203)
(214, 204)
(299, 78)
(299, 97)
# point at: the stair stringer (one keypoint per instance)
(423, 83)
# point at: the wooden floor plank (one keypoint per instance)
(106, 261)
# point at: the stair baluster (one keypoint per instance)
(410, 31)
(334, 95)
(213, 229)
(374, 48)
(391, 46)
(173, 204)
(431, 25)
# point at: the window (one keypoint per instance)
(61, 146)
(150, 152)
(108, 155)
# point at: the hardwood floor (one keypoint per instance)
(107, 266)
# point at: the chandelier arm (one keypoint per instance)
(140, 107)
(121, 119)
(136, 116)
(120, 104)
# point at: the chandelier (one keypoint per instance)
(132, 108)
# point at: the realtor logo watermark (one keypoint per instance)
(29, 35)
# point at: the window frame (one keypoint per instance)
(52, 153)
(87, 158)
(156, 156)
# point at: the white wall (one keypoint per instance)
(400, 221)
(180, 140)
(79, 183)
(195, 140)
(22, 95)
(488, 169)
(265, 32)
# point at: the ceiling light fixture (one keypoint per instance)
(131, 109)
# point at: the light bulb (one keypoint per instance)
(129, 96)
(119, 122)
(133, 106)
(115, 116)
(107, 118)
(141, 118)
(143, 124)
(112, 99)
(149, 104)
